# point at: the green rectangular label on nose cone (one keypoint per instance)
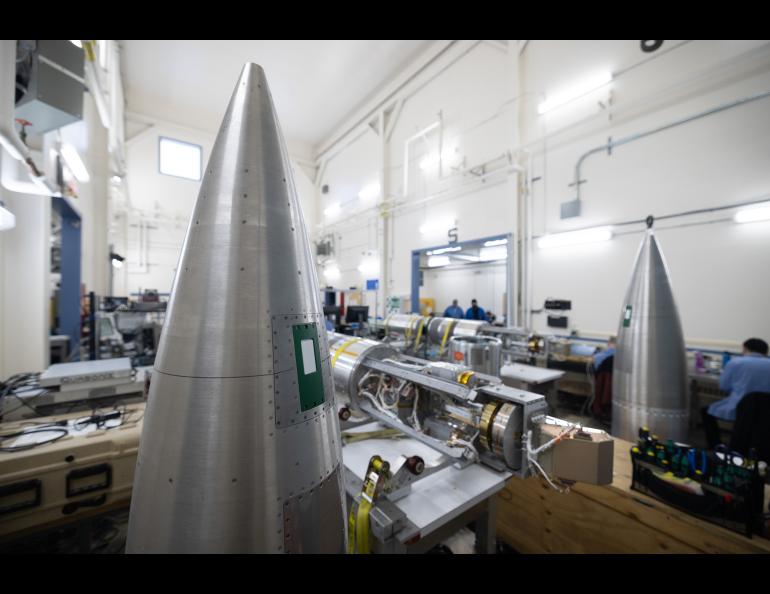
(627, 317)
(308, 363)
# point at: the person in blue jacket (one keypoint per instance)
(475, 312)
(454, 311)
(741, 376)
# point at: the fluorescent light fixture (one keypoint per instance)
(331, 272)
(575, 237)
(77, 42)
(179, 158)
(332, 209)
(443, 250)
(583, 88)
(491, 254)
(494, 242)
(7, 218)
(370, 191)
(74, 163)
(117, 260)
(369, 267)
(103, 53)
(759, 212)
(434, 261)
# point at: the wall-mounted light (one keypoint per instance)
(370, 191)
(74, 162)
(759, 212)
(575, 237)
(435, 261)
(369, 267)
(584, 87)
(429, 161)
(116, 260)
(7, 218)
(331, 272)
(332, 209)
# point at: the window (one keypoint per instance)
(181, 159)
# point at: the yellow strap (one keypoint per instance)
(419, 333)
(387, 321)
(449, 327)
(342, 348)
(88, 46)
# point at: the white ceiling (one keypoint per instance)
(315, 84)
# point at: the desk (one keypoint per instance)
(533, 518)
(438, 505)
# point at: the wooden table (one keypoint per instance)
(532, 518)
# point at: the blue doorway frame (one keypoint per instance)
(68, 304)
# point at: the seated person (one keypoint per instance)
(605, 353)
(454, 311)
(741, 376)
(475, 312)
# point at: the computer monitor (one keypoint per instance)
(357, 313)
(333, 310)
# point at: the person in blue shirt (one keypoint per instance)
(605, 353)
(475, 312)
(454, 311)
(741, 376)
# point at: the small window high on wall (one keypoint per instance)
(180, 159)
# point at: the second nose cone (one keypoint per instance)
(649, 386)
(240, 450)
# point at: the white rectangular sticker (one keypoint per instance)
(308, 356)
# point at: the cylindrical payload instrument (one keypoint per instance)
(240, 450)
(480, 353)
(438, 331)
(649, 385)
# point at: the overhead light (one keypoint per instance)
(332, 209)
(493, 253)
(117, 260)
(494, 242)
(435, 261)
(116, 179)
(7, 218)
(583, 88)
(760, 212)
(77, 42)
(74, 163)
(369, 267)
(575, 237)
(370, 191)
(443, 250)
(331, 272)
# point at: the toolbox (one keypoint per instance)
(718, 486)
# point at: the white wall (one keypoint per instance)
(718, 268)
(485, 283)
(25, 256)
(149, 230)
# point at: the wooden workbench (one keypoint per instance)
(532, 518)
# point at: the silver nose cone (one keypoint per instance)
(240, 450)
(649, 384)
